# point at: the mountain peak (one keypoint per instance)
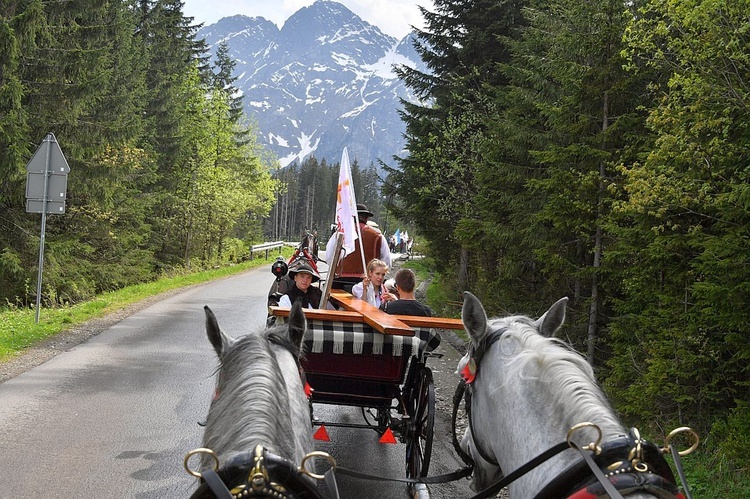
(320, 83)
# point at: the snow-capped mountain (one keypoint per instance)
(320, 83)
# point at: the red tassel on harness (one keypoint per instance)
(322, 434)
(308, 389)
(469, 372)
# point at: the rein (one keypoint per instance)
(632, 464)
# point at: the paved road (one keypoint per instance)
(114, 416)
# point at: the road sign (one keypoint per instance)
(56, 186)
(37, 206)
(46, 183)
(57, 162)
(47, 179)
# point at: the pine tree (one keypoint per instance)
(224, 80)
(18, 26)
(438, 178)
(173, 53)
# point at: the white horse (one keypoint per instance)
(260, 395)
(527, 391)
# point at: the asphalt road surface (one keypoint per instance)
(114, 416)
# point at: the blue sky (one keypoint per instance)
(393, 17)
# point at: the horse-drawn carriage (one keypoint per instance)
(533, 407)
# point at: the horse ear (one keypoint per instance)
(474, 317)
(553, 319)
(218, 339)
(297, 324)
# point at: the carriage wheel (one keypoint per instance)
(421, 410)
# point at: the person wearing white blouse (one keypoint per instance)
(371, 289)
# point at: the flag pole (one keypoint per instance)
(361, 248)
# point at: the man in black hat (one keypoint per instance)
(304, 276)
(375, 246)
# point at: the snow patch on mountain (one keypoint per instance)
(323, 82)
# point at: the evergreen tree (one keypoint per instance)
(224, 80)
(19, 23)
(566, 119)
(172, 52)
(437, 180)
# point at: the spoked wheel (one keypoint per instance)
(421, 411)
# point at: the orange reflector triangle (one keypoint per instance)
(388, 437)
(322, 434)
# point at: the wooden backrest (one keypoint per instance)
(372, 316)
(357, 310)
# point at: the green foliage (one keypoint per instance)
(600, 150)
(732, 436)
(18, 329)
(306, 198)
(162, 166)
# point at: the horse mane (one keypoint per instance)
(567, 378)
(252, 404)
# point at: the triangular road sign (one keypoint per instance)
(57, 161)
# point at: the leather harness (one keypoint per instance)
(624, 464)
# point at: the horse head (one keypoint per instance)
(260, 395)
(524, 387)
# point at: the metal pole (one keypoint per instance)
(47, 141)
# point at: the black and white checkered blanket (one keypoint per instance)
(358, 338)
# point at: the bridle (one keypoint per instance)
(262, 473)
(465, 390)
(259, 473)
(618, 466)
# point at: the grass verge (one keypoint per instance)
(18, 329)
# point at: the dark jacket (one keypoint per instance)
(312, 297)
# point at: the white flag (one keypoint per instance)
(346, 210)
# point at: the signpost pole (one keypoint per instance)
(44, 226)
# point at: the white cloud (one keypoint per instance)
(393, 17)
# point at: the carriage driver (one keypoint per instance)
(304, 276)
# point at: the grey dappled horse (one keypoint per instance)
(260, 396)
(529, 389)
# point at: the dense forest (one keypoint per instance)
(306, 199)
(598, 150)
(166, 174)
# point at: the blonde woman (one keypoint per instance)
(371, 289)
